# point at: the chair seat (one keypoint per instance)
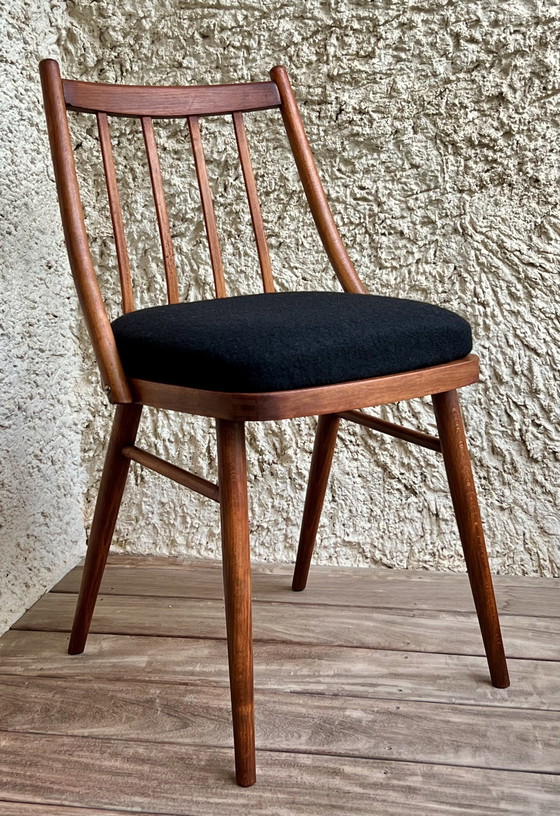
(283, 341)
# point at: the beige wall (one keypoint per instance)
(436, 132)
(41, 475)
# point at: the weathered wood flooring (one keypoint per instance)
(372, 696)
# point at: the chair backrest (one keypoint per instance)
(148, 103)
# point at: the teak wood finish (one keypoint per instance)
(232, 410)
(161, 209)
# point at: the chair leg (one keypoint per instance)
(463, 493)
(232, 470)
(115, 470)
(323, 450)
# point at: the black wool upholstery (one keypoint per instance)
(281, 341)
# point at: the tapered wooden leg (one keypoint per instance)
(125, 426)
(465, 502)
(323, 450)
(232, 469)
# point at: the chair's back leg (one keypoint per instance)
(323, 450)
(465, 502)
(232, 471)
(115, 470)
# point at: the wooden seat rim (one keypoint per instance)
(325, 399)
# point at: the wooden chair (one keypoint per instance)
(325, 354)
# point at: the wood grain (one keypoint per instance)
(107, 506)
(30, 809)
(77, 243)
(424, 731)
(407, 434)
(321, 461)
(161, 210)
(327, 670)
(184, 781)
(313, 724)
(161, 102)
(401, 630)
(325, 399)
(207, 207)
(176, 474)
(368, 587)
(467, 513)
(253, 199)
(236, 556)
(123, 261)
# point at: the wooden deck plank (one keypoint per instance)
(199, 782)
(401, 630)
(30, 809)
(328, 670)
(373, 588)
(312, 724)
(382, 668)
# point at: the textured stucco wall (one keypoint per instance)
(41, 477)
(435, 128)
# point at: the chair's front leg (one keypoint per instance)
(465, 502)
(232, 469)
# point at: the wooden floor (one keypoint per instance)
(372, 698)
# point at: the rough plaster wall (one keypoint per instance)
(435, 128)
(41, 478)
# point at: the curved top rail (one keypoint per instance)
(161, 102)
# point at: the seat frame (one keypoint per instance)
(232, 410)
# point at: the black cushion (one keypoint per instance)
(280, 341)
